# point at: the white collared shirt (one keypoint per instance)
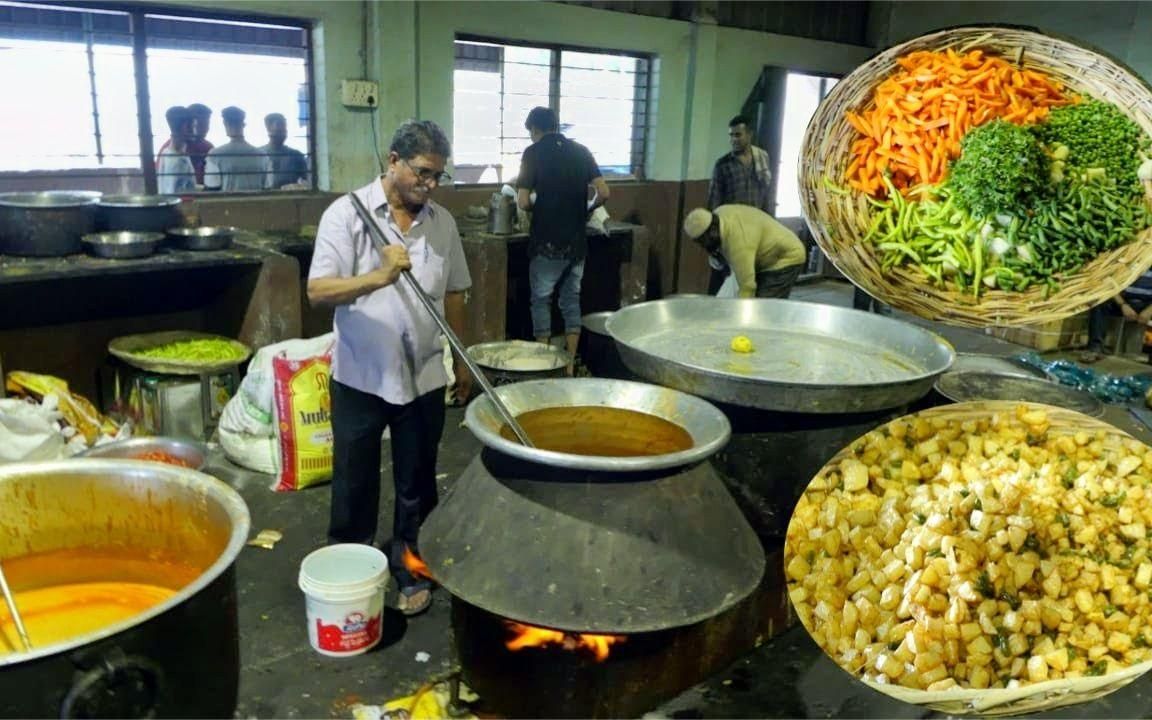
(386, 342)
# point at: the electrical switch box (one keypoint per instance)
(360, 93)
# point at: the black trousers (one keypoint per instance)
(358, 422)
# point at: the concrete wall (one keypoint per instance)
(1120, 29)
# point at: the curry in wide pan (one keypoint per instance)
(64, 594)
(602, 431)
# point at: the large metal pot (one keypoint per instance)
(139, 213)
(45, 224)
(598, 349)
(179, 658)
(592, 543)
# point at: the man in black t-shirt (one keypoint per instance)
(555, 174)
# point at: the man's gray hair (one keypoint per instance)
(420, 137)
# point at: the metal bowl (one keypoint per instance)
(996, 364)
(202, 238)
(971, 386)
(121, 245)
(192, 452)
(510, 361)
(708, 426)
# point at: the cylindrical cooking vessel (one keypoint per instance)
(139, 213)
(593, 543)
(45, 224)
(178, 659)
(598, 349)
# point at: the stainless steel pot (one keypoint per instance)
(585, 543)
(179, 658)
(501, 214)
(45, 224)
(139, 213)
(598, 349)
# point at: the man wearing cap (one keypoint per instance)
(765, 256)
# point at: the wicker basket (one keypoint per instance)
(1028, 698)
(128, 347)
(840, 222)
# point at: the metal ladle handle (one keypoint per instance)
(382, 241)
(11, 602)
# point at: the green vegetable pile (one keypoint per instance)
(1097, 135)
(203, 350)
(1001, 167)
(1022, 206)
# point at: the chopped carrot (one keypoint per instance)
(920, 113)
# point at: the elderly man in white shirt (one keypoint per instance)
(387, 362)
(237, 165)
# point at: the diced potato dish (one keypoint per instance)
(988, 553)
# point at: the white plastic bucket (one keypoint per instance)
(344, 591)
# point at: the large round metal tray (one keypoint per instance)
(999, 365)
(808, 358)
(128, 347)
(969, 386)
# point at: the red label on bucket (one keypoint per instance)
(355, 633)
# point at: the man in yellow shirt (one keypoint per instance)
(765, 256)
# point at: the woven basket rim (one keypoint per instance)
(1032, 697)
(838, 223)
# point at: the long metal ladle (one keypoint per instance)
(11, 602)
(381, 242)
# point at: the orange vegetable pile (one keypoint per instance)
(919, 114)
(161, 456)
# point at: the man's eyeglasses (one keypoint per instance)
(428, 174)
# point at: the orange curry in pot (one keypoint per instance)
(63, 594)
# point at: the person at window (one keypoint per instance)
(287, 166)
(196, 146)
(765, 256)
(741, 177)
(174, 171)
(387, 361)
(1134, 304)
(237, 165)
(555, 175)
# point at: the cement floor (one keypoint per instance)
(282, 677)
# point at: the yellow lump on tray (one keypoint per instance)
(978, 553)
(742, 344)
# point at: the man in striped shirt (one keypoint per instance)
(1134, 304)
(741, 177)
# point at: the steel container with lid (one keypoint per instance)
(46, 224)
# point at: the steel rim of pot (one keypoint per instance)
(708, 426)
(139, 201)
(122, 238)
(183, 449)
(218, 231)
(60, 199)
(230, 501)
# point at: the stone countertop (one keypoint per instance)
(249, 248)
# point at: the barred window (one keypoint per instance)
(104, 76)
(602, 98)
